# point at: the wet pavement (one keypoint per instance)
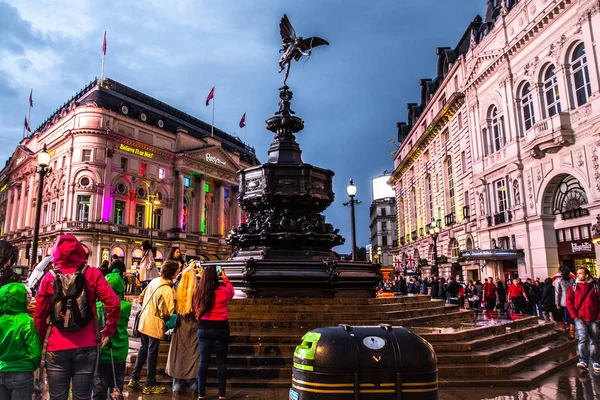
(566, 384)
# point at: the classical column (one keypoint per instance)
(68, 189)
(28, 209)
(221, 211)
(8, 211)
(15, 210)
(22, 203)
(235, 205)
(201, 204)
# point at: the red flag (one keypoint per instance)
(31, 98)
(104, 44)
(27, 125)
(211, 96)
(243, 121)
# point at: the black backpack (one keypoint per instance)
(71, 310)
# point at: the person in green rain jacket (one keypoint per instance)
(104, 380)
(20, 347)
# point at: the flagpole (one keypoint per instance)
(29, 112)
(102, 72)
(212, 127)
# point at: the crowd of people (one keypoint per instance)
(571, 301)
(71, 335)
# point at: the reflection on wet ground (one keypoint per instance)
(566, 384)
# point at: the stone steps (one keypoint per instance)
(265, 332)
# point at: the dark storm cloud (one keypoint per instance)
(350, 94)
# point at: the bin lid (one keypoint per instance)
(364, 348)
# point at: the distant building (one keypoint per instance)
(501, 153)
(125, 167)
(383, 222)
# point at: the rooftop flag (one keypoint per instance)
(31, 98)
(243, 121)
(27, 125)
(104, 44)
(211, 96)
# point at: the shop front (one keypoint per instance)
(578, 254)
(500, 263)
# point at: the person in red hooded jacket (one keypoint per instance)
(71, 356)
(583, 303)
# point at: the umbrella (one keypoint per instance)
(555, 277)
(37, 274)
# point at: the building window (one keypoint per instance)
(413, 199)
(527, 106)
(429, 198)
(119, 212)
(187, 181)
(61, 210)
(124, 162)
(63, 162)
(53, 213)
(460, 121)
(158, 219)
(463, 162)
(143, 168)
(585, 231)
(551, 94)
(501, 197)
(384, 241)
(581, 75)
(569, 196)
(139, 215)
(86, 155)
(83, 208)
(383, 212)
(161, 173)
(484, 142)
(498, 135)
(384, 225)
(450, 184)
(184, 215)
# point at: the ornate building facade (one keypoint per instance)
(501, 154)
(124, 168)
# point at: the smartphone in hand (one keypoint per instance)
(219, 271)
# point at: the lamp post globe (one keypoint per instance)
(43, 158)
(351, 189)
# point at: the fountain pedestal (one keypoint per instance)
(285, 245)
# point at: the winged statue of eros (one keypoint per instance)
(294, 47)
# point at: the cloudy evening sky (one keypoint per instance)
(350, 94)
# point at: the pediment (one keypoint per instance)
(214, 156)
(482, 63)
(20, 155)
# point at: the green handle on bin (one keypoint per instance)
(306, 350)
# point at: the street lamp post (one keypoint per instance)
(351, 190)
(152, 201)
(434, 231)
(44, 169)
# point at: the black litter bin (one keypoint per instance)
(364, 363)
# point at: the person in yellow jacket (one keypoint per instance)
(157, 305)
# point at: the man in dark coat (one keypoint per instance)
(118, 264)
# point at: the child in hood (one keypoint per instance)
(104, 381)
(20, 348)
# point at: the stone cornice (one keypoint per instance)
(439, 122)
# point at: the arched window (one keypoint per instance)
(568, 196)
(527, 106)
(497, 133)
(581, 76)
(551, 94)
(454, 248)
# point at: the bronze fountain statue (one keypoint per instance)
(285, 245)
(294, 47)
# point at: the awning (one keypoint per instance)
(493, 254)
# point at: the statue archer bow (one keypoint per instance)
(294, 47)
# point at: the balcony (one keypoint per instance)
(450, 219)
(466, 212)
(549, 135)
(499, 218)
(414, 235)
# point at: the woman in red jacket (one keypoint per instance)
(71, 356)
(210, 308)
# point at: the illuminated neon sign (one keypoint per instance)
(214, 160)
(3, 188)
(135, 151)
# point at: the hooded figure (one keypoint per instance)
(8, 257)
(104, 380)
(20, 347)
(71, 356)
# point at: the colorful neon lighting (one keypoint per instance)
(118, 251)
(137, 253)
